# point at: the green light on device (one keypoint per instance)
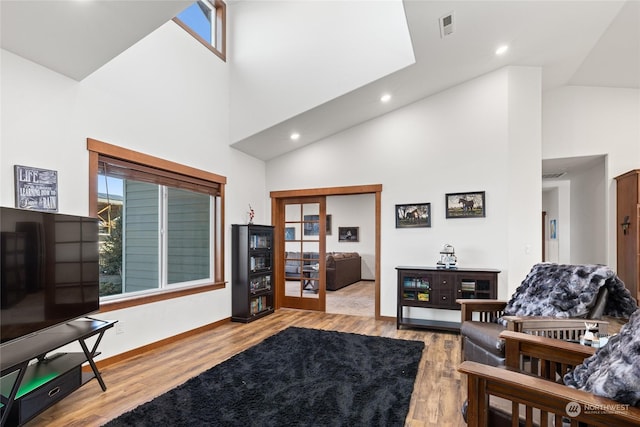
(34, 383)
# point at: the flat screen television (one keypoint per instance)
(49, 270)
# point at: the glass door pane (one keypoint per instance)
(304, 254)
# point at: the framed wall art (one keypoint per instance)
(465, 205)
(36, 188)
(348, 234)
(413, 215)
(289, 233)
(311, 225)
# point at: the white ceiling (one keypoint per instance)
(76, 37)
(594, 43)
(569, 167)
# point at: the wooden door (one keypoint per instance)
(628, 235)
(301, 275)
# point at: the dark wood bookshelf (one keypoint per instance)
(252, 291)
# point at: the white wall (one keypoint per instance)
(588, 216)
(586, 121)
(523, 173)
(356, 210)
(297, 55)
(455, 141)
(166, 96)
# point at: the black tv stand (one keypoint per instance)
(26, 388)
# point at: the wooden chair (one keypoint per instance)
(480, 333)
(534, 397)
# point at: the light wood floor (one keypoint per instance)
(436, 400)
(357, 299)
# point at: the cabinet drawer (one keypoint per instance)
(444, 282)
(46, 395)
(443, 298)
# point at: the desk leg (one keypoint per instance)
(89, 356)
(12, 395)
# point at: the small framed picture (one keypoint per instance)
(348, 234)
(289, 233)
(414, 215)
(311, 225)
(36, 188)
(465, 205)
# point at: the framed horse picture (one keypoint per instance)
(465, 205)
(413, 215)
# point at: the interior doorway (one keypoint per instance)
(350, 262)
(576, 197)
(279, 199)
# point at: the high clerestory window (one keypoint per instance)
(206, 21)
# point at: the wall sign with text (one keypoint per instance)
(36, 189)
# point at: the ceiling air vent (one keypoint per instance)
(555, 175)
(446, 25)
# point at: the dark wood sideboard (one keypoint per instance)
(431, 287)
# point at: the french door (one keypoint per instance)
(300, 258)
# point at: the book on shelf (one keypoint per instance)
(259, 304)
(260, 283)
(468, 285)
(259, 263)
(423, 296)
(259, 241)
(416, 282)
(409, 295)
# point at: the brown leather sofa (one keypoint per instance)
(343, 269)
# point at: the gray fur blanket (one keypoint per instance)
(614, 370)
(562, 290)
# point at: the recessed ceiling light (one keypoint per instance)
(295, 136)
(502, 50)
(385, 98)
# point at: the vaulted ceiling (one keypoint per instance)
(591, 43)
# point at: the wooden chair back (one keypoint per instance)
(535, 397)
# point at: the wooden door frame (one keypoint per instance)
(375, 189)
(544, 235)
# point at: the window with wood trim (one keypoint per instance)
(206, 21)
(160, 223)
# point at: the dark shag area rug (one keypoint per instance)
(297, 377)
